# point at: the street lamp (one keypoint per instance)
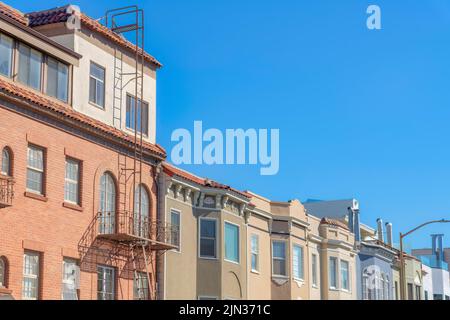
(402, 258)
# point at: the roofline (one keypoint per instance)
(40, 36)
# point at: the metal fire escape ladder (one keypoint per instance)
(118, 88)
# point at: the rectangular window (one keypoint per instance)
(35, 169)
(410, 291)
(97, 85)
(255, 252)
(30, 284)
(57, 79)
(345, 275)
(71, 279)
(30, 67)
(175, 223)
(72, 182)
(396, 290)
(314, 269)
(279, 258)
(137, 117)
(6, 55)
(418, 293)
(208, 238)
(333, 273)
(231, 242)
(141, 288)
(297, 262)
(105, 283)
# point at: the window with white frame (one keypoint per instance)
(297, 262)
(6, 55)
(57, 79)
(3, 272)
(137, 117)
(231, 242)
(345, 275)
(35, 169)
(30, 67)
(6, 162)
(30, 283)
(105, 283)
(314, 269)
(332, 277)
(254, 243)
(141, 289)
(72, 182)
(71, 279)
(208, 238)
(97, 85)
(107, 207)
(175, 224)
(279, 258)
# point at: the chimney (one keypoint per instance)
(380, 230)
(351, 220)
(389, 237)
(356, 226)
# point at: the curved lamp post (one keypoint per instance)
(402, 258)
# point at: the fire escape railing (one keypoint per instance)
(6, 191)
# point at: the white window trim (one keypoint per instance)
(252, 252)
(41, 171)
(302, 264)
(32, 276)
(285, 259)
(178, 250)
(113, 279)
(340, 276)
(77, 182)
(216, 240)
(239, 242)
(99, 80)
(336, 273)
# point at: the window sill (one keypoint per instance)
(97, 106)
(72, 206)
(255, 272)
(5, 290)
(36, 196)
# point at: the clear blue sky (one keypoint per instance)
(361, 113)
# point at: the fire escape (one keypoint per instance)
(127, 237)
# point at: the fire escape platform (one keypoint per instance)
(131, 238)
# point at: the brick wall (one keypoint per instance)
(45, 225)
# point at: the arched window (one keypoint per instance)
(107, 206)
(3, 271)
(6, 162)
(141, 212)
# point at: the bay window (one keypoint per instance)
(57, 79)
(30, 67)
(6, 55)
(279, 258)
(208, 239)
(231, 242)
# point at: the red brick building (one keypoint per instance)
(71, 222)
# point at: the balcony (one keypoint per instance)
(6, 191)
(126, 227)
(433, 262)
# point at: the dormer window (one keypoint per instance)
(57, 79)
(6, 54)
(30, 66)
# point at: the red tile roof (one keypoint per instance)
(334, 222)
(13, 13)
(172, 170)
(14, 89)
(60, 14)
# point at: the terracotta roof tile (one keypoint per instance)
(172, 170)
(14, 89)
(60, 14)
(13, 13)
(334, 222)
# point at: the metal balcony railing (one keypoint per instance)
(125, 226)
(6, 191)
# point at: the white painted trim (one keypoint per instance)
(239, 242)
(199, 238)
